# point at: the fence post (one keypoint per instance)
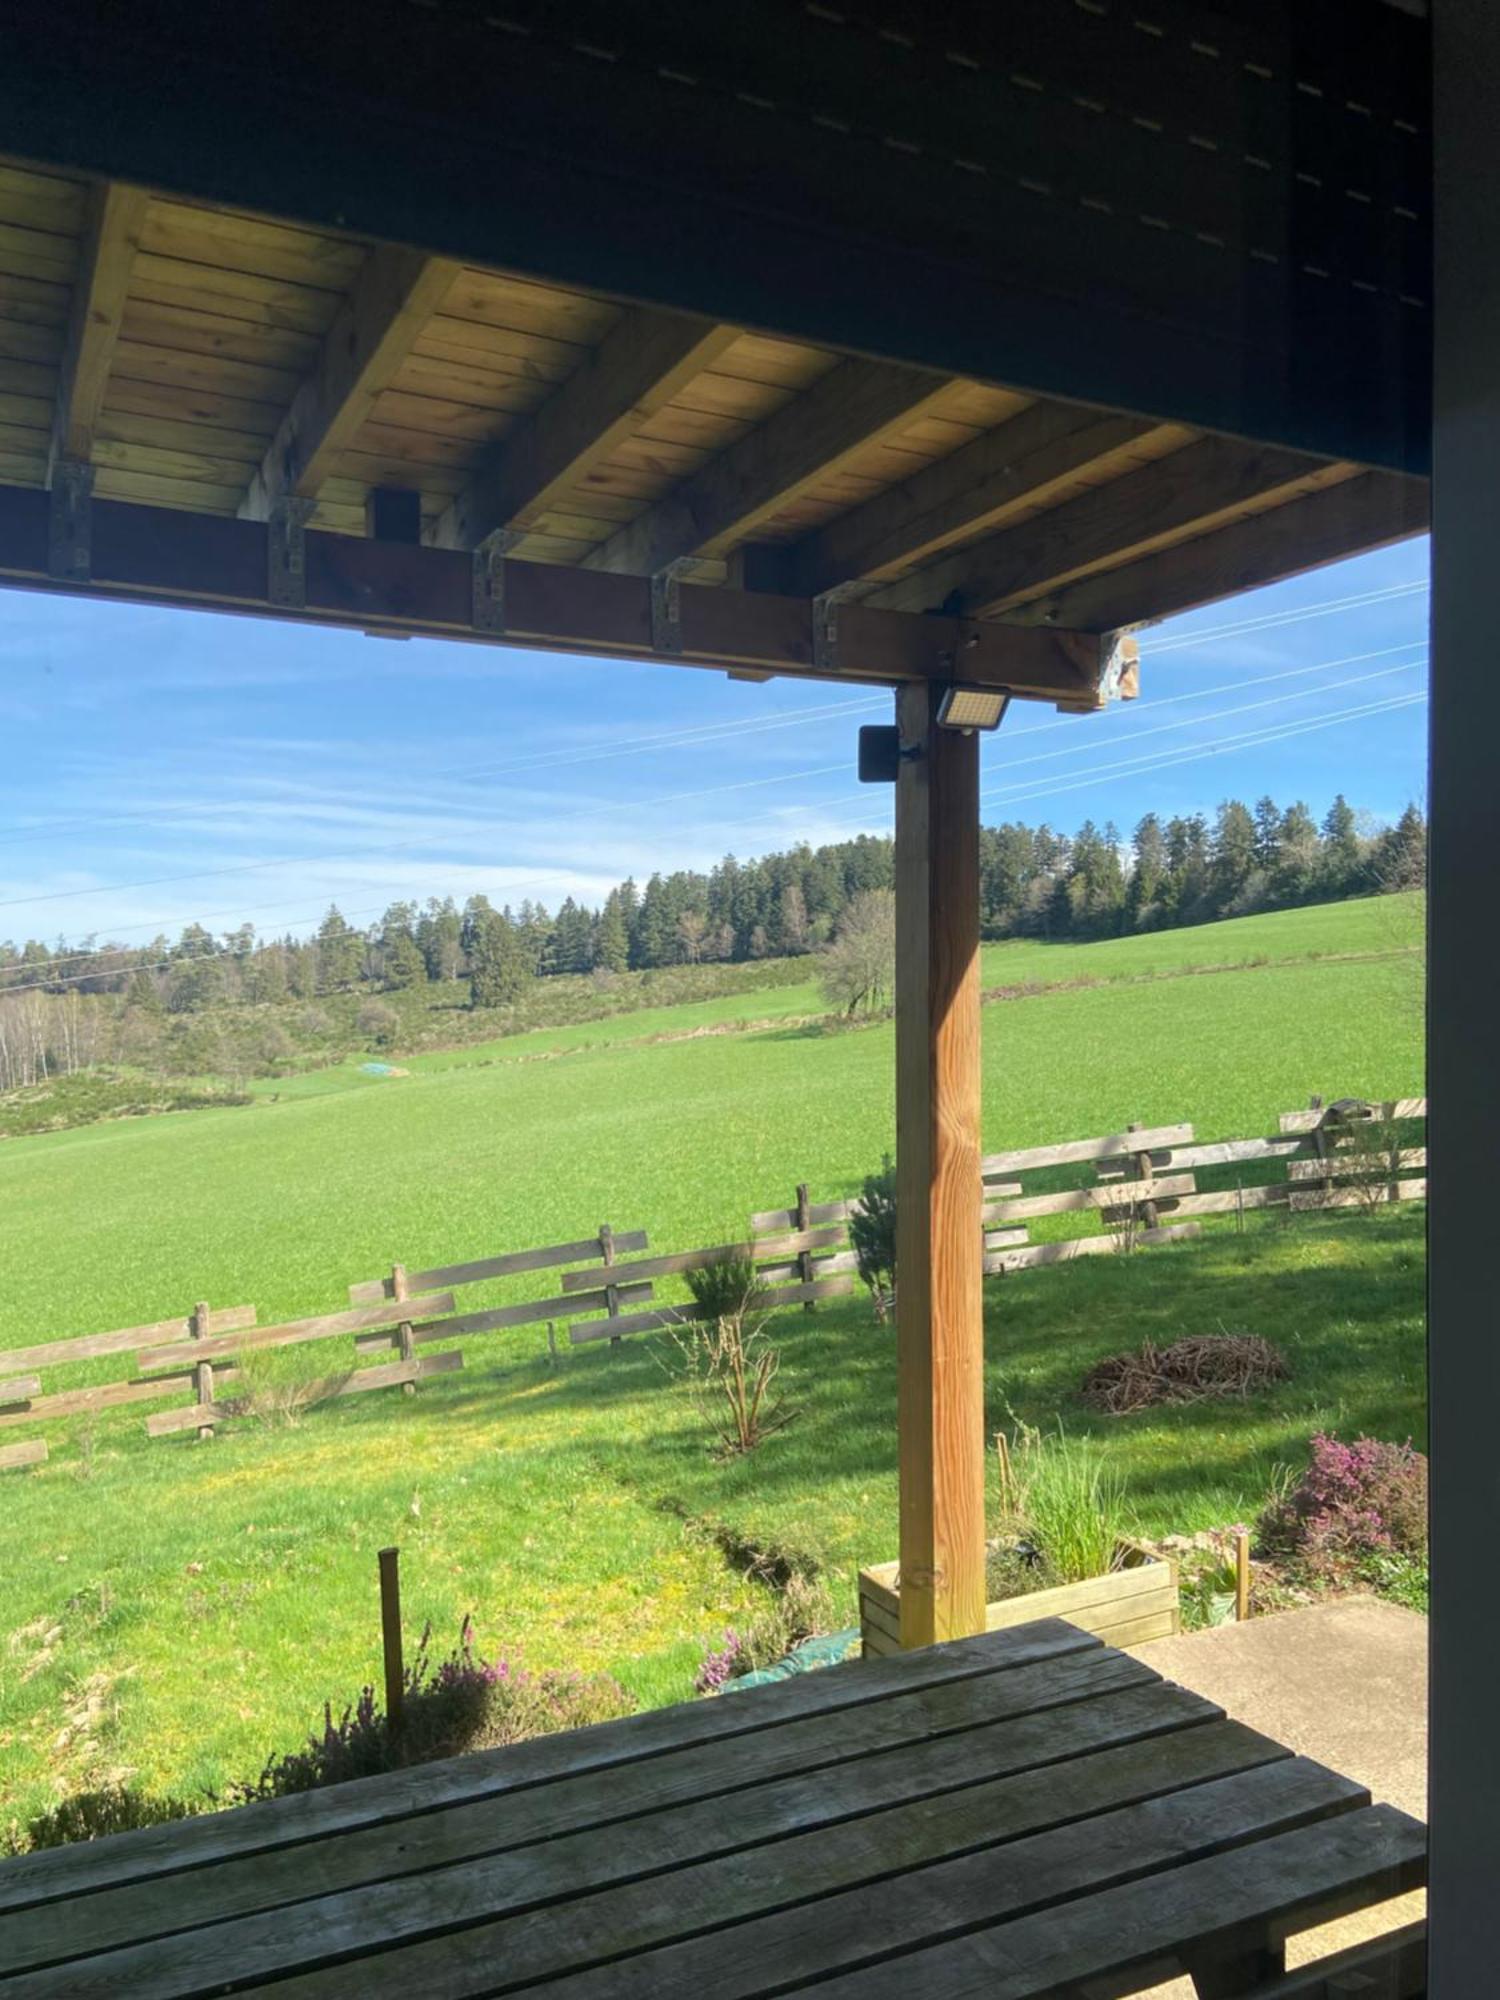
(805, 1260)
(390, 1637)
(203, 1371)
(399, 1291)
(611, 1292)
(1320, 1147)
(1144, 1170)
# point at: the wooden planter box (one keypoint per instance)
(1136, 1602)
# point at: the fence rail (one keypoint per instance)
(1144, 1192)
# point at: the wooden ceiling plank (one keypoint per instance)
(1040, 448)
(1369, 511)
(395, 295)
(1109, 523)
(852, 406)
(633, 374)
(116, 216)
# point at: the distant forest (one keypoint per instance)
(67, 1006)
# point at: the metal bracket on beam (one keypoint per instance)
(666, 606)
(286, 552)
(825, 624)
(487, 612)
(70, 522)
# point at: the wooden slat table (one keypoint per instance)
(1026, 1813)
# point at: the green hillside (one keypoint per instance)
(197, 1605)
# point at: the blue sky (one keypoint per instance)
(163, 767)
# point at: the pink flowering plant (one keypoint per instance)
(460, 1702)
(1355, 1502)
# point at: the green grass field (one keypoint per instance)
(179, 1610)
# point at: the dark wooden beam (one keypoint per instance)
(1366, 512)
(1021, 460)
(1197, 487)
(167, 556)
(855, 404)
(939, 1307)
(395, 295)
(110, 239)
(640, 366)
(1463, 964)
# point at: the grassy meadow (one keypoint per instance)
(178, 1611)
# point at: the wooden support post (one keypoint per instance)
(203, 1371)
(805, 1270)
(1241, 1578)
(1143, 1172)
(390, 1637)
(611, 1292)
(1320, 1146)
(939, 1310)
(400, 1289)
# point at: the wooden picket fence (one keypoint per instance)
(1145, 1186)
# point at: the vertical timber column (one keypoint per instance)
(1463, 1077)
(939, 1319)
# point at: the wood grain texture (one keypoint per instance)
(327, 1326)
(47, 1874)
(124, 1340)
(1187, 492)
(447, 1277)
(637, 369)
(686, 1807)
(853, 404)
(1366, 512)
(395, 295)
(939, 1314)
(116, 217)
(31, 1451)
(1018, 462)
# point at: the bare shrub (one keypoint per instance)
(1195, 1370)
(727, 1360)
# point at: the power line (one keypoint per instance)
(1129, 767)
(1291, 616)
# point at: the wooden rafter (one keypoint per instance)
(854, 405)
(1193, 488)
(637, 369)
(115, 216)
(395, 295)
(162, 555)
(1366, 512)
(1017, 461)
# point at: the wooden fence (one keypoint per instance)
(1144, 1186)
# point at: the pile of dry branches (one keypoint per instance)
(1189, 1371)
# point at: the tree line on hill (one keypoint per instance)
(1034, 883)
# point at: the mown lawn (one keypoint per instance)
(182, 1610)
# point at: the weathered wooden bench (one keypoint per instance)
(1022, 1814)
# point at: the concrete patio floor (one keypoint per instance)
(1344, 1682)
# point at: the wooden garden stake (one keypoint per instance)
(390, 1636)
(203, 1371)
(1241, 1577)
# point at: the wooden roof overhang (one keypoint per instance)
(288, 378)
